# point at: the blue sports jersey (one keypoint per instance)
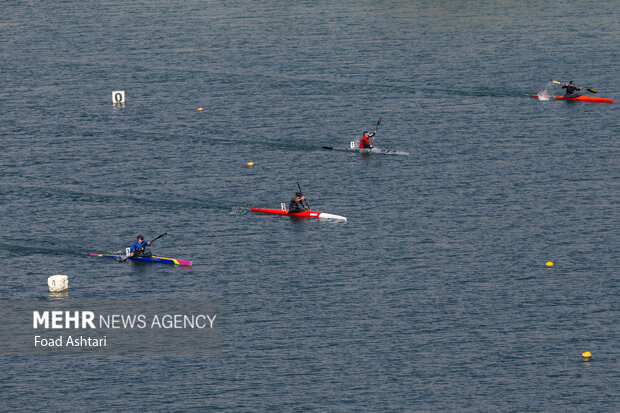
(138, 245)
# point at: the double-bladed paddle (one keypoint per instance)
(376, 127)
(302, 194)
(158, 237)
(557, 82)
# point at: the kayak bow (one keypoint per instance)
(305, 214)
(581, 98)
(153, 258)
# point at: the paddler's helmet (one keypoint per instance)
(299, 194)
(366, 132)
(140, 236)
(572, 82)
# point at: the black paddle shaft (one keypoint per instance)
(302, 194)
(376, 127)
(158, 237)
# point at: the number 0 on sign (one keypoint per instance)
(118, 97)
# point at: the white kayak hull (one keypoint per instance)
(369, 151)
(324, 215)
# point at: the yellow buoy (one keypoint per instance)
(549, 264)
(250, 164)
(199, 109)
(586, 356)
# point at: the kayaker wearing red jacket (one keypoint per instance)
(364, 142)
(298, 204)
(138, 248)
(570, 89)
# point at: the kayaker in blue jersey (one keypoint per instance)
(570, 89)
(298, 204)
(365, 142)
(138, 248)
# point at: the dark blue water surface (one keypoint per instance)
(434, 296)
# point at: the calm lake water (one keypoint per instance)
(434, 296)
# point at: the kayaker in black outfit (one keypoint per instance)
(298, 204)
(570, 89)
(365, 142)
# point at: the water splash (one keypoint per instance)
(545, 94)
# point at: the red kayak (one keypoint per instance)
(578, 98)
(305, 214)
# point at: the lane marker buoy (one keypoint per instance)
(549, 264)
(58, 283)
(250, 164)
(199, 109)
(585, 356)
(118, 97)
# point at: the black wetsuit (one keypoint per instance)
(295, 206)
(570, 90)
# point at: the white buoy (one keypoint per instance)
(118, 97)
(58, 283)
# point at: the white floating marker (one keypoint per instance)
(58, 283)
(118, 97)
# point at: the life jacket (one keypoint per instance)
(364, 142)
(140, 251)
